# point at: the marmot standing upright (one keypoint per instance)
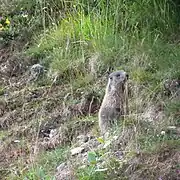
(115, 100)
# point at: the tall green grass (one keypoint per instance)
(118, 30)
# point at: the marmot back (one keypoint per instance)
(114, 101)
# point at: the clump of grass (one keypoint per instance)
(2, 91)
(45, 165)
(27, 17)
(172, 110)
(117, 36)
(88, 173)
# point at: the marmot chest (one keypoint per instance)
(113, 102)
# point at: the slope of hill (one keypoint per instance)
(48, 116)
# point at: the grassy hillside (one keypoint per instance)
(79, 43)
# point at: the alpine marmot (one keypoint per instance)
(114, 103)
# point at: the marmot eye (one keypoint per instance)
(110, 78)
(118, 75)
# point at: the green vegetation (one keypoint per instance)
(80, 41)
(44, 165)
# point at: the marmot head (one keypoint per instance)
(117, 80)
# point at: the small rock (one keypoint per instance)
(171, 127)
(64, 172)
(17, 141)
(37, 68)
(91, 144)
(77, 150)
(82, 138)
(36, 71)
